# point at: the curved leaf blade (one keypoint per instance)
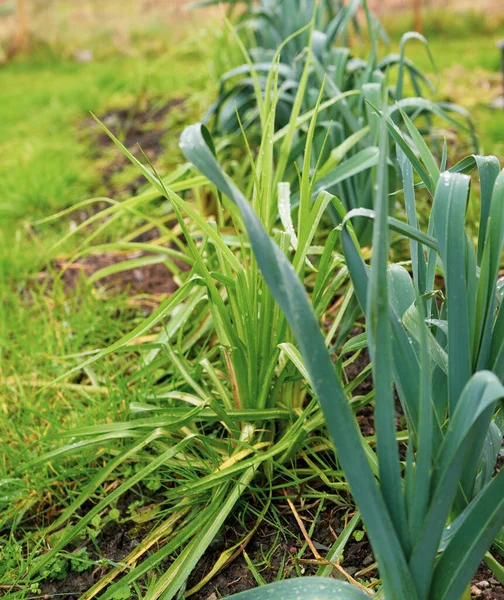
(467, 547)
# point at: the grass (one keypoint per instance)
(215, 358)
(47, 164)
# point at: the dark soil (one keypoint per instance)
(115, 545)
(485, 585)
(281, 552)
(141, 129)
(274, 554)
(153, 279)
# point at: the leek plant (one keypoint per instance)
(271, 22)
(325, 48)
(314, 57)
(430, 518)
(464, 316)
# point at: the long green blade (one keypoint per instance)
(475, 406)
(449, 210)
(380, 347)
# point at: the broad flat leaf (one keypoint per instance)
(449, 209)
(419, 264)
(412, 322)
(379, 333)
(305, 588)
(475, 406)
(402, 292)
(488, 169)
(406, 367)
(489, 455)
(486, 298)
(467, 547)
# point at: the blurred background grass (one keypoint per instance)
(99, 55)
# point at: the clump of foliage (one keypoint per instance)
(454, 436)
(229, 405)
(313, 54)
(241, 375)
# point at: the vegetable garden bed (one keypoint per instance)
(316, 386)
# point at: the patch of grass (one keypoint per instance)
(43, 332)
(49, 163)
(448, 24)
(469, 75)
(45, 166)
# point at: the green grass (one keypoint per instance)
(214, 357)
(45, 166)
(49, 163)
